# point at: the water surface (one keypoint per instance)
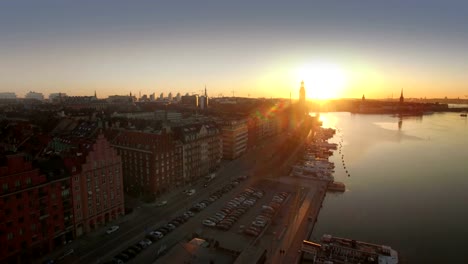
(408, 186)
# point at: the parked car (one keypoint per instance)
(123, 257)
(136, 248)
(161, 203)
(151, 237)
(251, 232)
(208, 223)
(112, 229)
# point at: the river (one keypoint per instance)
(408, 184)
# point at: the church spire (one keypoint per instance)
(302, 93)
(402, 99)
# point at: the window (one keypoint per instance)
(17, 183)
(28, 181)
(5, 187)
(10, 236)
(76, 178)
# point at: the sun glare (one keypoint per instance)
(322, 80)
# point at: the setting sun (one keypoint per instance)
(323, 80)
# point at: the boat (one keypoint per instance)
(343, 250)
(336, 187)
(463, 114)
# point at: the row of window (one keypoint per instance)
(5, 186)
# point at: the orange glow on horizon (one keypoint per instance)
(323, 80)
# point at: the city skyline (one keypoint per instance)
(261, 49)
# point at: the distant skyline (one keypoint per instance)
(256, 48)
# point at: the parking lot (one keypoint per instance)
(178, 227)
(236, 237)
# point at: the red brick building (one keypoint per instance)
(96, 183)
(151, 162)
(35, 210)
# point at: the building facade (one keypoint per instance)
(97, 185)
(201, 149)
(234, 136)
(35, 209)
(151, 162)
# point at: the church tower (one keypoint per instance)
(302, 94)
(402, 99)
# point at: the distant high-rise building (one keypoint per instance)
(34, 95)
(178, 96)
(57, 97)
(152, 96)
(190, 100)
(202, 102)
(169, 96)
(7, 96)
(402, 99)
(161, 96)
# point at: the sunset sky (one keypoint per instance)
(257, 48)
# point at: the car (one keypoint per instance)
(190, 213)
(195, 209)
(262, 218)
(223, 227)
(208, 223)
(136, 248)
(259, 223)
(157, 234)
(258, 229)
(116, 261)
(130, 253)
(251, 232)
(205, 185)
(220, 214)
(176, 223)
(163, 230)
(191, 192)
(123, 257)
(140, 246)
(170, 227)
(112, 229)
(226, 210)
(147, 241)
(161, 203)
(152, 237)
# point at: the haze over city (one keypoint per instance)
(341, 49)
